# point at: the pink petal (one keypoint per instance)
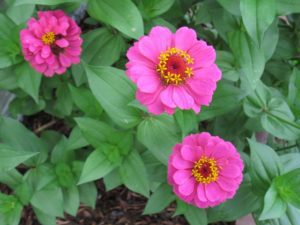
(212, 72)
(185, 38)
(179, 163)
(166, 97)
(201, 87)
(187, 188)
(64, 60)
(205, 55)
(201, 193)
(62, 43)
(188, 153)
(182, 99)
(226, 184)
(203, 138)
(45, 51)
(231, 171)
(148, 83)
(162, 37)
(213, 192)
(148, 49)
(181, 176)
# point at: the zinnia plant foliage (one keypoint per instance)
(191, 102)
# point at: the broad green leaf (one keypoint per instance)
(122, 15)
(290, 161)
(112, 180)
(8, 82)
(28, 106)
(43, 2)
(24, 192)
(249, 57)
(10, 210)
(274, 113)
(226, 98)
(270, 40)
(226, 62)
(265, 165)
(10, 158)
(285, 7)
(20, 14)
(195, 216)
(65, 176)
(49, 200)
(160, 199)
(29, 80)
(11, 178)
(63, 104)
(288, 187)
(71, 200)
(102, 47)
(159, 134)
(133, 174)
(187, 121)
(232, 6)
(95, 167)
(274, 206)
(257, 16)
(243, 203)
(88, 194)
(44, 218)
(21, 139)
(114, 92)
(153, 8)
(97, 133)
(85, 100)
(76, 140)
(6, 26)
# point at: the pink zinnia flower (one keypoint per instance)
(52, 43)
(173, 70)
(205, 170)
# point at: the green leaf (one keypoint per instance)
(6, 26)
(20, 14)
(76, 140)
(288, 187)
(8, 82)
(257, 16)
(249, 57)
(153, 8)
(274, 206)
(187, 121)
(134, 175)
(102, 47)
(44, 218)
(10, 158)
(71, 200)
(157, 172)
(52, 195)
(63, 104)
(275, 115)
(65, 177)
(195, 216)
(11, 178)
(290, 161)
(226, 62)
(232, 6)
(95, 167)
(29, 80)
(112, 180)
(85, 100)
(26, 105)
(160, 199)
(159, 134)
(88, 194)
(21, 139)
(114, 92)
(226, 98)
(10, 210)
(122, 15)
(270, 40)
(43, 2)
(24, 192)
(97, 133)
(285, 7)
(265, 166)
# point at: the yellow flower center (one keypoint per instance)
(174, 66)
(205, 170)
(48, 38)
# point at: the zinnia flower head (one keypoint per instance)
(173, 70)
(52, 43)
(205, 170)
